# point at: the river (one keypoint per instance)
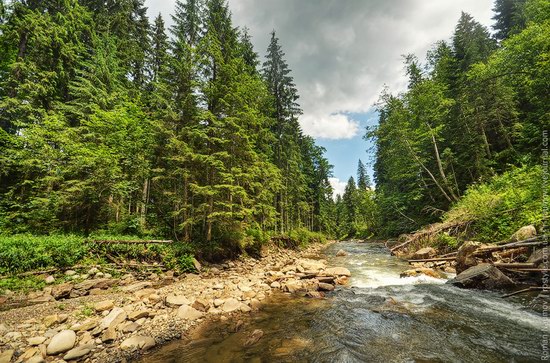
(378, 317)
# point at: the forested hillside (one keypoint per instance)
(112, 124)
(475, 110)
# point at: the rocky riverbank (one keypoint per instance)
(508, 265)
(119, 319)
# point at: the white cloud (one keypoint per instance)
(338, 186)
(343, 52)
(333, 126)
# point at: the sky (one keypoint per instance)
(342, 54)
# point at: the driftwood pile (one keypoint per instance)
(508, 256)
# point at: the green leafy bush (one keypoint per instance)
(499, 207)
(24, 252)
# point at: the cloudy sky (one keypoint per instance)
(342, 53)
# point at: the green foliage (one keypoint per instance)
(444, 240)
(108, 125)
(29, 283)
(304, 237)
(501, 206)
(20, 253)
(475, 111)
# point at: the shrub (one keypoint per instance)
(501, 206)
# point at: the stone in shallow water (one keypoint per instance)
(482, 276)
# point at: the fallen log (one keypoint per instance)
(488, 249)
(433, 259)
(532, 239)
(449, 254)
(531, 269)
(151, 241)
(532, 288)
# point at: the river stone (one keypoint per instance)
(61, 342)
(109, 335)
(218, 302)
(311, 265)
(422, 271)
(137, 286)
(35, 359)
(5, 356)
(50, 320)
(70, 273)
(138, 342)
(104, 305)
(136, 315)
(78, 352)
(50, 280)
(275, 285)
(201, 305)
(423, 253)
(254, 337)
(189, 313)
(115, 317)
(337, 271)
(230, 305)
(325, 287)
(341, 253)
(36, 340)
(464, 258)
(177, 300)
(130, 327)
(482, 276)
(524, 233)
(62, 291)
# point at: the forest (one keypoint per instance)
(114, 125)
(465, 141)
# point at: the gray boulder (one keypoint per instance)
(482, 276)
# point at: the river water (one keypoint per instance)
(378, 317)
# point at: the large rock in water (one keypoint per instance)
(524, 233)
(423, 253)
(482, 276)
(464, 258)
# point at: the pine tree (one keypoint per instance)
(472, 42)
(188, 21)
(508, 18)
(363, 179)
(287, 154)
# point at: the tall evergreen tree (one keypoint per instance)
(508, 17)
(363, 179)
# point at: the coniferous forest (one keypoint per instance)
(156, 183)
(112, 123)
